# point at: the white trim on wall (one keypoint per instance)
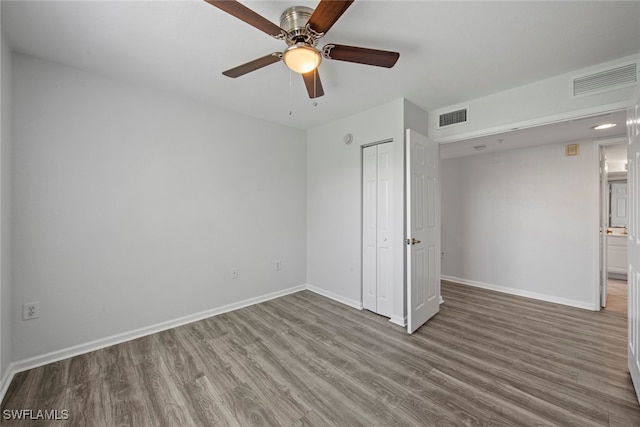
(54, 356)
(347, 301)
(596, 233)
(65, 353)
(398, 320)
(6, 380)
(523, 293)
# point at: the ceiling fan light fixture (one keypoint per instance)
(301, 58)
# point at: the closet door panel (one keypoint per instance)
(385, 229)
(369, 229)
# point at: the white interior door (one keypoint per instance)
(633, 248)
(369, 228)
(604, 217)
(385, 229)
(377, 228)
(423, 229)
(618, 204)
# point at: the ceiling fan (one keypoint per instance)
(300, 28)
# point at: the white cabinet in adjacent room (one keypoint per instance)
(617, 255)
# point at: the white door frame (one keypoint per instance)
(604, 224)
(599, 256)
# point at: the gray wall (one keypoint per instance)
(5, 208)
(524, 221)
(132, 206)
(334, 194)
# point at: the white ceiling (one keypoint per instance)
(450, 52)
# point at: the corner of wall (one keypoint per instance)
(5, 210)
(415, 118)
(494, 239)
(334, 196)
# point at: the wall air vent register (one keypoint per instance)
(453, 118)
(610, 79)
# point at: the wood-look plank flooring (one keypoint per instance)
(617, 296)
(304, 360)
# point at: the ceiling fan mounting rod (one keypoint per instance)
(294, 22)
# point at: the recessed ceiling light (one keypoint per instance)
(604, 126)
(479, 147)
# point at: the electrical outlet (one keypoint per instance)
(30, 311)
(234, 273)
(277, 265)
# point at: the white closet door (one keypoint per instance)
(385, 230)
(377, 228)
(369, 227)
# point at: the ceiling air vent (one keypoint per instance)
(613, 78)
(452, 118)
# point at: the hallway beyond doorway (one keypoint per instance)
(616, 296)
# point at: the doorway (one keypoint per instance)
(614, 213)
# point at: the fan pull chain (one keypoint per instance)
(315, 92)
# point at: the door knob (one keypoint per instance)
(412, 241)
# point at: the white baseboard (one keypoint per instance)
(336, 297)
(521, 293)
(619, 276)
(54, 356)
(7, 376)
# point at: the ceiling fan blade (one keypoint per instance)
(313, 84)
(327, 13)
(256, 64)
(247, 15)
(361, 55)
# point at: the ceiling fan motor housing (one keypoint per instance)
(294, 22)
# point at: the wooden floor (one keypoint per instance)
(617, 296)
(486, 359)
